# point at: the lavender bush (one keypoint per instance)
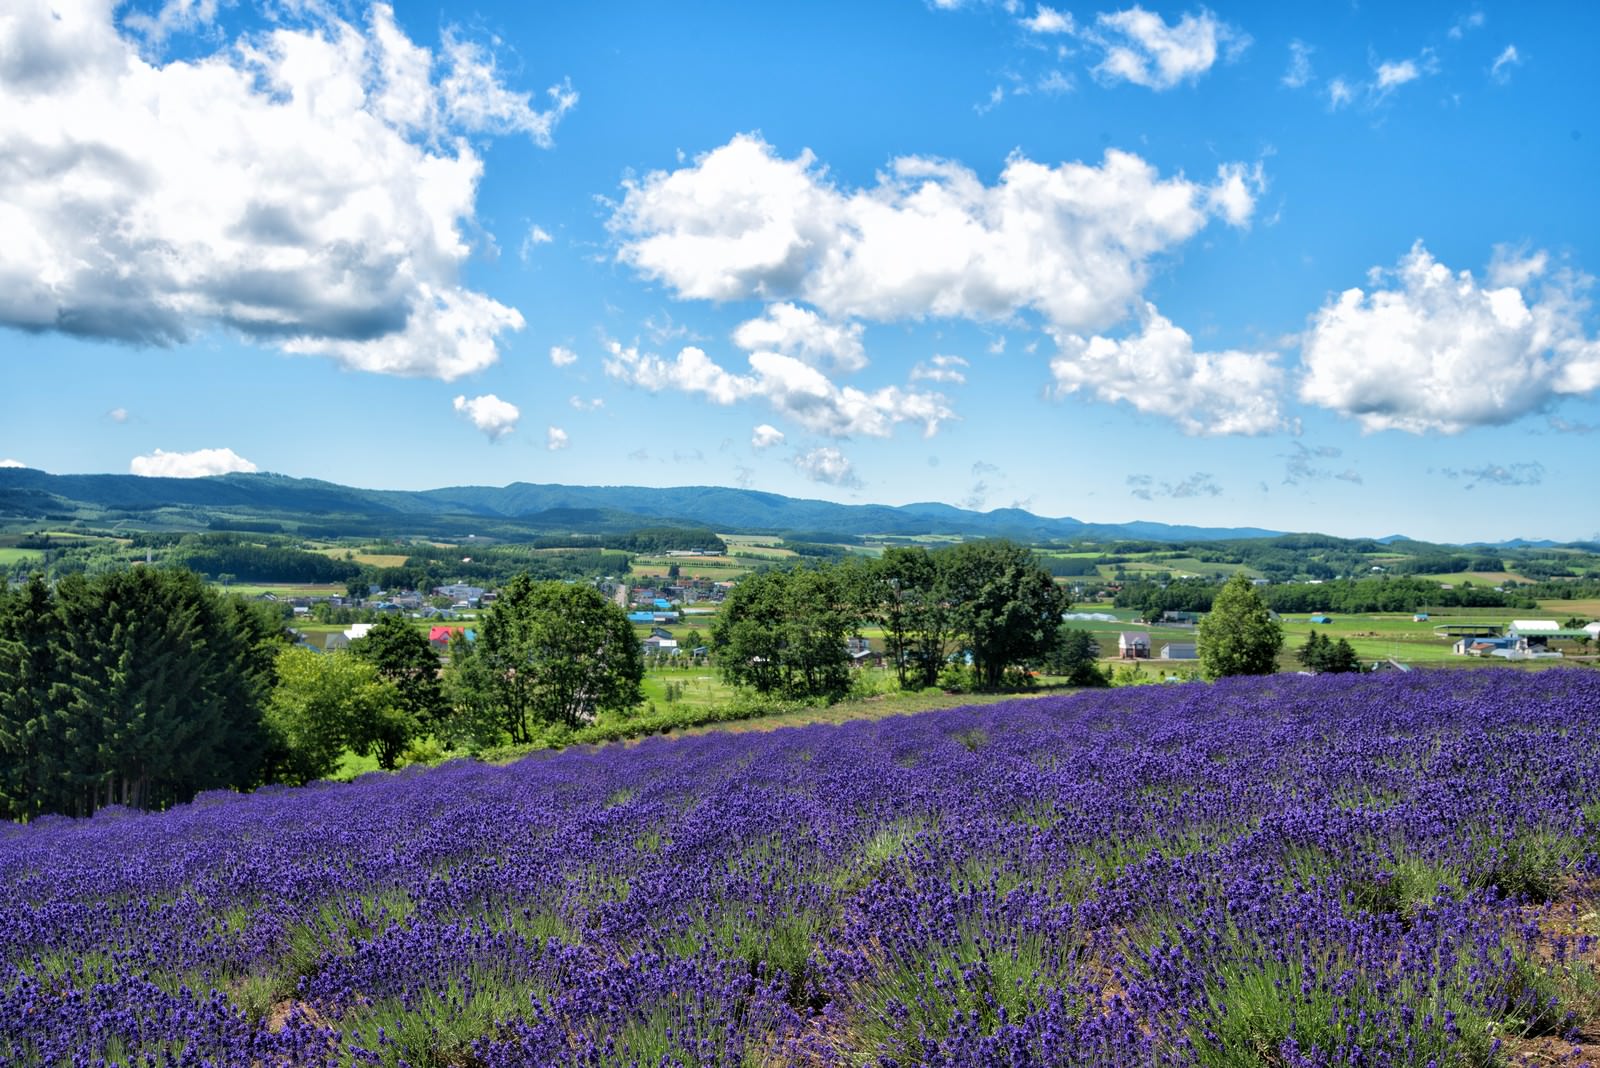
(1294, 871)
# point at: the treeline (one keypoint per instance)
(224, 554)
(646, 540)
(814, 550)
(1071, 567)
(1378, 594)
(430, 565)
(971, 614)
(138, 687)
(1396, 594)
(1446, 564)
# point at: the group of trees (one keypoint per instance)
(144, 686)
(987, 603)
(137, 687)
(375, 699)
(548, 654)
(254, 560)
(1323, 656)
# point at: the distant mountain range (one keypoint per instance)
(265, 501)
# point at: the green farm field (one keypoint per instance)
(717, 568)
(10, 557)
(1180, 566)
(289, 589)
(1476, 578)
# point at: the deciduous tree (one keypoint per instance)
(1239, 636)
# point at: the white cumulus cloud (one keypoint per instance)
(562, 357)
(1427, 348)
(802, 333)
(1390, 75)
(495, 417)
(196, 464)
(555, 438)
(536, 236)
(1140, 47)
(1047, 20)
(307, 186)
(1072, 242)
(792, 387)
(9, 462)
(1158, 371)
(765, 436)
(828, 465)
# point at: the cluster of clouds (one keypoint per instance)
(1307, 463)
(1421, 348)
(497, 418)
(1132, 46)
(1384, 76)
(308, 187)
(792, 387)
(1072, 244)
(312, 187)
(1148, 488)
(1139, 47)
(1516, 474)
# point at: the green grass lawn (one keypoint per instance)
(12, 557)
(694, 687)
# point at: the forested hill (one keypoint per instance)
(325, 508)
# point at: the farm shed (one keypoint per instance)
(1180, 651)
(1321, 618)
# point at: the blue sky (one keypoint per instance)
(1246, 265)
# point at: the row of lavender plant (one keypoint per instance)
(1296, 871)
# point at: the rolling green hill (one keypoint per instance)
(29, 498)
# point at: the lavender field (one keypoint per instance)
(1290, 871)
